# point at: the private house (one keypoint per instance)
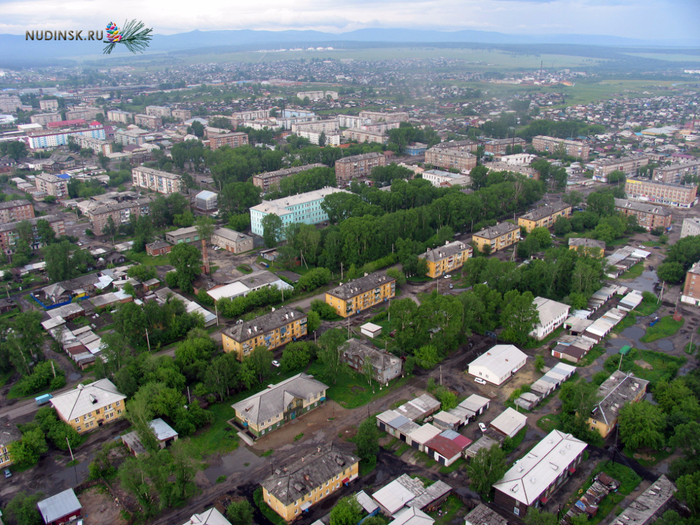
(158, 247)
(278, 404)
(498, 364)
(362, 293)
(271, 330)
(165, 436)
(308, 480)
(60, 508)
(88, 407)
(545, 216)
(495, 238)
(208, 517)
(552, 316)
(447, 258)
(615, 392)
(533, 479)
(385, 366)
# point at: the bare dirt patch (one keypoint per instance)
(643, 364)
(100, 508)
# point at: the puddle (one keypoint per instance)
(236, 461)
(633, 333)
(665, 345)
(662, 468)
(645, 282)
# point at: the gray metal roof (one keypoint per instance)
(545, 211)
(359, 286)
(447, 250)
(59, 505)
(260, 325)
(493, 232)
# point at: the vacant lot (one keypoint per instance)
(100, 508)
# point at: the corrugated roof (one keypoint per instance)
(59, 505)
(86, 398)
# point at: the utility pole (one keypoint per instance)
(53, 369)
(341, 271)
(148, 341)
(216, 312)
(72, 458)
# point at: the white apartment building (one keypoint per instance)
(156, 180)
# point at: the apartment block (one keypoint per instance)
(148, 121)
(156, 180)
(628, 165)
(450, 158)
(675, 172)
(9, 433)
(691, 226)
(53, 139)
(52, 185)
(615, 392)
(271, 179)
(117, 115)
(83, 112)
(496, 237)
(332, 138)
(120, 212)
(270, 330)
(649, 216)
(445, 259)
(379, 116)
(9, 103)
(48, 105)
(181, 114)
(45, 118)
(361, 136)
(96, 145)
(90, 406)
(8, 232)
(130, 137)
(232, 140)
(16, 211)
(691, 288)
(544, 216)
(661, 193)
(357, 166)
(573, 148)
(459, 145)
(500, 146)
(317, 95)
(360, 294)
(318, 126)
(526, 171)
(158, 111)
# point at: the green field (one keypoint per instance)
(664, 327)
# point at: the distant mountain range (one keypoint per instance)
(18, 51)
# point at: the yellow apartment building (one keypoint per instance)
(9, 433)
(615, 392)
(88, 407)
(545, 216)
(497, 237)
(277, 328)
(448, 258)
(590, 247)
(291, 490)
(360, 294)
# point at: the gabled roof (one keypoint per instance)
(86, 398)
(59, 505)
(208, 517)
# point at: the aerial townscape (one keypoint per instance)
(259, 275)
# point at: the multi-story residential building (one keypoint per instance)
(318, 126)
(231, 240)
(72, 123)
(380, 127)
(352, 121)
(181, 114)
(527, 171)
(628, 165)
(16, 211)
(440, 178)
(158, 111)
(552, 316)
(9, 433)
(96, 145)
(357, 166)
(53, 139)
(615, 392)
(271, 179)
(120, 212)
(661, 193)
(9, 235)
(379, 116)
(573, 148)
(589, 247)
(675, 172)
(649, 216)
(447, 258)
(232, 140)
(691, 226)
(52, 185)
(331, 138)
(360, 294)
(48, 105)
(459, 145)
(544, 216)
(90, 406)
(317, 95)
(385, 366)
(117, 115)
(156, 180)
(148, 121)
(83, 112)
(450, 158)
(279, 404)
(500, 146)
(691, 288)
(310, 479)
(45, 118)
(534, 478)
(271, 330)
(496, 237)
(361, 136)
(9, 103)
(130, 137)
(303, 208)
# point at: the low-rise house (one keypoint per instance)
(590, 247)
(509, 422)
(544, 216)
(308, 480)
(248, 283)
(60, 508)
(498, 364)
(231, 240)
(278, 404)
(445, 259)
(208, 517)
(158, 247)
(552, 316)
(495, 238)
(88, 407)
(362, 293)
(9, 433)
(615, 392)
(385, 366)
(165, 436)
(183, 235)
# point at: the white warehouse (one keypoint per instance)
(498, 364)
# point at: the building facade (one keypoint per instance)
(450, 158)
(544, 216)
(691, 288)
(88, 407)
(628, 165)
(9, 235)
(500, 146)
(53, 139)
(360, 294)
(691, 226)
(573, 148)
(676, 171)
(361, 136)
(52, 185)
(232, 140)
(96, 145)
(271, 179)
(121, 213)
(16, 211)
(496, 237)
(158, 111)
(183, 236)
(9, 434)
(661, 193)
(148, 121)
(117, 115)
(156, 180)
(231, 240)
(360, 356)
(649, 216)
(615, 392)
(357, 166)
(45, 118)
(447, 258)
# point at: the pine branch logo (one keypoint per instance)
(134, 35)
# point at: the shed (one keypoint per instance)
(392, 497)
(509, 422)
(446, 450)
(367, 503)
(60, 508)
(446, 421)
(420, 436)
(371, 330)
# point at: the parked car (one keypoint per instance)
(275, 363)
(8, 474)
(479, 380)
(447, 276)
(482, 427)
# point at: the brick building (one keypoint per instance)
(675, 172)
(628, 165)
(357, 166)
(649, 216)
(16, 211)
(232, 140)
(271, 179)
(121, 213)
(573, 148)
(450, 158)
(691, 288)
(148, 121)
(661, 193)
(499, 146)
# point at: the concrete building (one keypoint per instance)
(45, 118)
(357, 166)
(270, 330)
(60, 508)
(16, 211)
(628, 165)
(544, 216)
(590, 247)
(650, 506)
(448, 258)
(573, 148)
(88, 407)
(450, 159)
(360, 294)
(498, 364)
(691, 288)
(317, 95)
(615, 392)
(385, 366)
(361, 136)
(159, 247)
(691, 227)
(9, 236)
(158, 111)
(121, 213)
(206, 201)
(331, 138)
(534, 478)
(232, 140)
(117, 115)
(9, 433)
(470, 146)
(416, 148)
(246, 284)
(329, 126)
(48, 105)
(83, 112)
(496, 237)
(96, 145)
(509, 422)
(308, 480)
(525, 171)
(380, 116)
(649, 216)
(54, 139)
(183, 235)
(52, 185)
(231, 240)
(148, 121)
(271, 179)
(156, 180)
(500, 146)
(552, 316)
(676, 171)
(302, 208)
(9, 103)
(439, 178)
(130, 137)
(658, 192)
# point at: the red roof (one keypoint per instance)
(447, 448)
(62, 123)
(95, 123)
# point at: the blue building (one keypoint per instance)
(417, 148)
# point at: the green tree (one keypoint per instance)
(346, 512)
(110, 229)
(22, 509)
(222, 375)
(601, 203)
(260, 361)
(486, 468)
(427, 356)
(187, 261)
(536, 516)
(330, 352)
(45, 233)
(519, 316)
(272, 229)
(27, 451)
(689, 491)
(671, 272)
(367, 441)
(239, 513)
(539, 363)
(642, 425)
(398, 275)
(295, 356)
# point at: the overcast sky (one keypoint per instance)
(652, 19)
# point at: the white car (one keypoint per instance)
(482, 427)
(479, 380)
(275, 363)
(447, 276)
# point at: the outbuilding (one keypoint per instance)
(60, 508)
(498, 364)
(509, 422)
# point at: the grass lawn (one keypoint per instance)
(548, 422)
(147, 260)
(217, 437)
(634, 272)
(534, 343)
(244, 268)
(664, 327)
(647, 307)
(403, 448)
(449, 510)
(647, 458)
(351, 390)
(461, 462)
(519, 438)
(593, 354)
(629, 320)
(661, 366)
